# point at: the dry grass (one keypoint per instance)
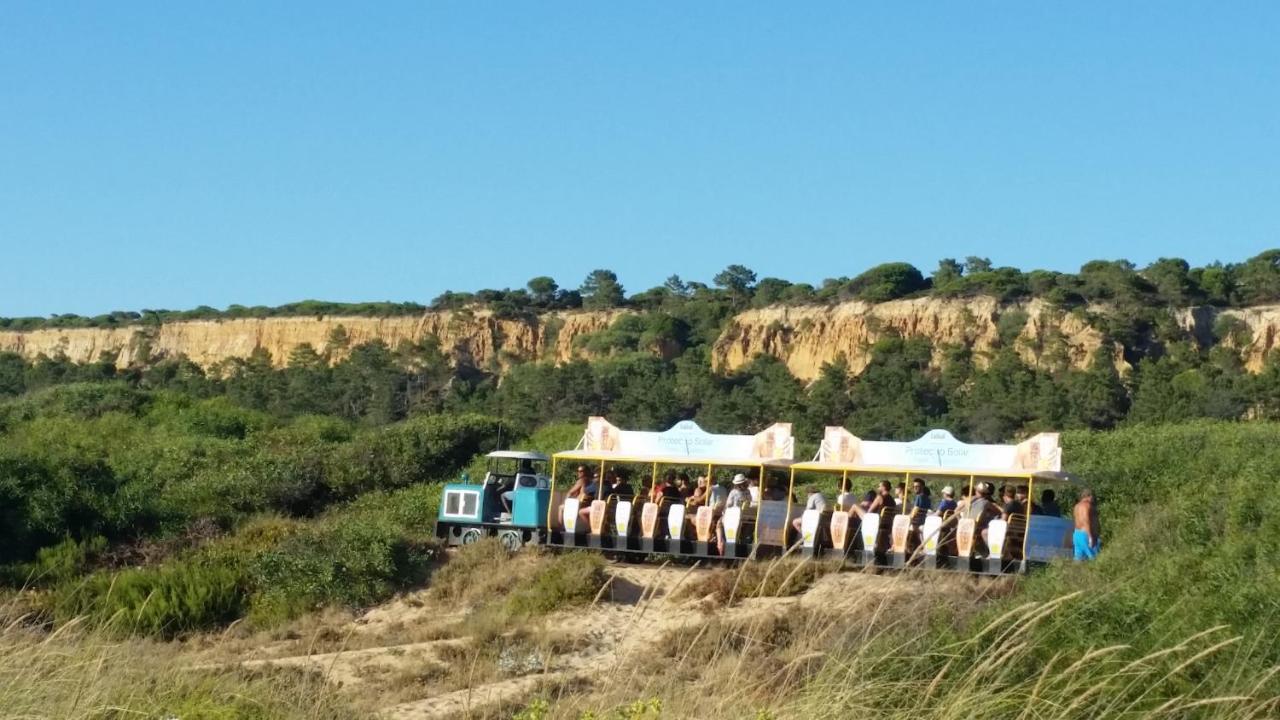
(77, 673)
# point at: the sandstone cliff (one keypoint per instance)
(806, 337)
(803, 337)
(475, 338)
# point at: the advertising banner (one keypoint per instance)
(596, 516)
(686, 440)
(839, 529)
(939, 449)
(702, 523)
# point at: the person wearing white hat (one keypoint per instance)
(948, 502)
(740, 495)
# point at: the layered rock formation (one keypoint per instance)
(477, 339)
(806, 337)
(803, 337)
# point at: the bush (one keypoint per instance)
(165, 601)
(571, 579)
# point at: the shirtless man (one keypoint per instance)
(1086, 539)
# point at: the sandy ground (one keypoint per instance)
(392, 655)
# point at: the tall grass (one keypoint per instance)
(75, 673)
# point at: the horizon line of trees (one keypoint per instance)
(1165, 282)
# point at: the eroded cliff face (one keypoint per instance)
(803, 337)
(477, 339)
(806, 337)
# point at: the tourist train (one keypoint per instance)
(530, 498)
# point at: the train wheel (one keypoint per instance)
(470, 535)
(511, 540)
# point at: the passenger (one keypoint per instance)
(921, 503)
(846, 500)
(739, 496)
(876, 502)
(948, 502)
(589, 494)
(867, 499)
(584, 476)
(684, 485)
(982, 510)
(900, 494)
(618, 486)
(699, 496)
(1048, 504)
(815, 501)
(1011, 506)
(753, 487)
(525, 467)
(776, 492)
(719, 496)
(667, 493)
(1087, 538)
(1022, 495)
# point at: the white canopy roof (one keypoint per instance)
(685, 442)
(518, 455)
(939, 452)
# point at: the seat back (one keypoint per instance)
(569, 515)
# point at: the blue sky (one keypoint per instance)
(167, 155)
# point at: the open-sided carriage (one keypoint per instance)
(636, 523)
(901, 535)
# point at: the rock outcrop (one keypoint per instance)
(477, 339)
(804, 337)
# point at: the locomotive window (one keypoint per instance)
(469, 503)
(451, 504)
(528, 481)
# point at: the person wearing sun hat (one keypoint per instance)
(948, 502)
(740, 495)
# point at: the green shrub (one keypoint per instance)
(570, 579)
(164, 601)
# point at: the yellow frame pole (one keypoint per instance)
(551, 501)
(759, 504)
(710, 484)
(1026, 531)
(791, 490)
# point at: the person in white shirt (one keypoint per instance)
(815, 501)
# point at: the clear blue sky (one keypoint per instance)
(167, 155)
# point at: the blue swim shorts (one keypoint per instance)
(1083, 550)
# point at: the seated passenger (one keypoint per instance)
(982, 510)
(900, 494)
(1048, 504)
(815, 501)
(719, 496)
(618, 486)
(666, 493)
(948, 502)
(867, 499)
(584, 477)
(846, 500)
(588, 495)
(753, 487)
(739, 496)
(699, 494)
(684, 485)
(1022, 495)
(921, 502)
(1011, 506)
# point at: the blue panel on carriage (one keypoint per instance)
(529, 508)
